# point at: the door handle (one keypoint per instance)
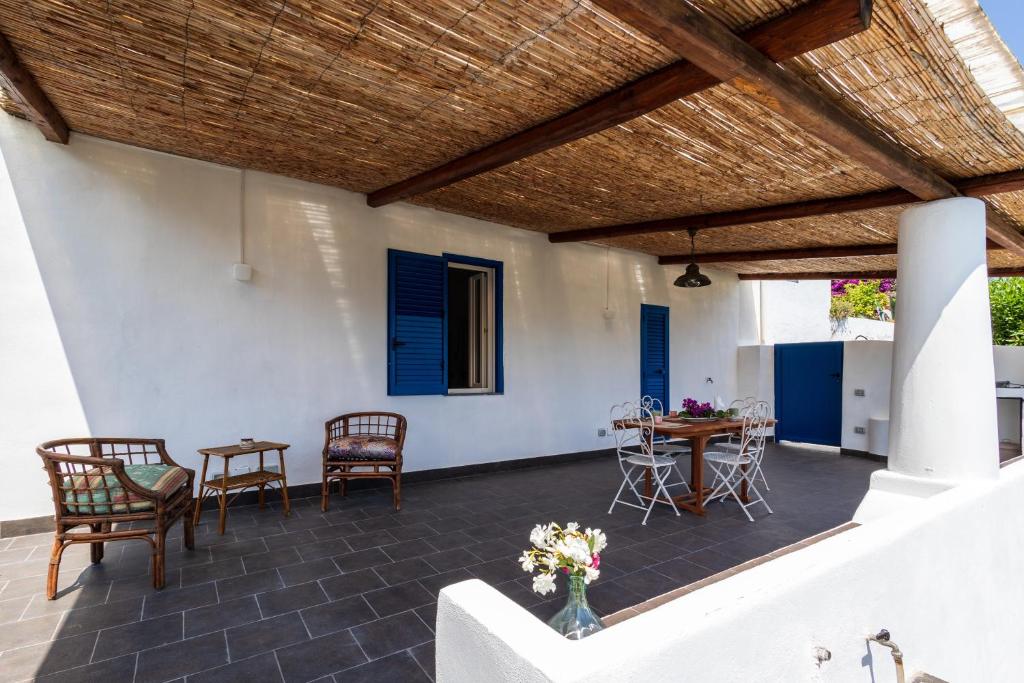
(836, 375)
(395, 343)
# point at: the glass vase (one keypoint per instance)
(576, 620)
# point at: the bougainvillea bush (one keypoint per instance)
(862, 298)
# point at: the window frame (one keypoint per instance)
(497, 315)
(489, 363)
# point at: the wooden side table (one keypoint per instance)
(219, 486)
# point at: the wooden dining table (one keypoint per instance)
(698, 434)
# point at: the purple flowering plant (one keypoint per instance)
(694, 408)
(839, 286)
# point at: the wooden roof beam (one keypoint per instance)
(859, 275)
(21, 85)
(780, 254)
(881, 249)
(808, 27)
(1011, 181)
(709, 44)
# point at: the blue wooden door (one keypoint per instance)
(809, 392)
(654, 353)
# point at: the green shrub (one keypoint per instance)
(840, 308)
(1007, 303)
(861, 298)
(866, 299)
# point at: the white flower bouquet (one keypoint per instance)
(574, 552)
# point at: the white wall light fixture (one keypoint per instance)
(242, 272)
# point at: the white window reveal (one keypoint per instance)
(470, 326)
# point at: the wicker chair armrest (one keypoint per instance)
(165, 458)
(79, 459)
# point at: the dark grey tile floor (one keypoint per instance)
(351, 595)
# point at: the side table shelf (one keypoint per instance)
(258, 479)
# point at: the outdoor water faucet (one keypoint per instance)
(882, 638)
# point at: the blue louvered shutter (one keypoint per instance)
(417, 346)
(654, 353)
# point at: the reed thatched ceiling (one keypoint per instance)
(363, 93)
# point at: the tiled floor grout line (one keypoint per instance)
(360, 646)
(304, 624)
(418, 663)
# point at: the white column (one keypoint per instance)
(943, 427)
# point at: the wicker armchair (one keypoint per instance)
(363, 446)
(102, 482)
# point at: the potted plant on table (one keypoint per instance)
(696, 410)
(577, 554)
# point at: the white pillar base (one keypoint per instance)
(892, 491)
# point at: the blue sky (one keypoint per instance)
(1008, 18)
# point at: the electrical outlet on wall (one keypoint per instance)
(858, 392)
(859, 430)
(602, 431)
(238, 469)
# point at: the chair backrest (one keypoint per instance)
(391, 425)
(84, 470)
(755, 426)
(632, 427)
(743, 405)
(652, 405)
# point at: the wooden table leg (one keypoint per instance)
(697, 472)
(284, 484)
(263, 486)
(648, 482)
(224, 498)
(202, 483)
(744, 493)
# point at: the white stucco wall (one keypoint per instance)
(120, 316)
(867, 365)
(943, 576)
(795, 311)
(755, 374)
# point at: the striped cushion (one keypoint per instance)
(89, 488)
(362, 447)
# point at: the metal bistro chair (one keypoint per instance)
(732, 468)
(121, 489)
(734, 444)
(662, 445)
(633, 427)
(742, 406)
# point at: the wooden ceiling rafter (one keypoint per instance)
(706, 42)
(25, 92)
(805, 28)
(798, 254)
(859, 275)
(981, 186)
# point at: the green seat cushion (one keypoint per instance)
(93, 492)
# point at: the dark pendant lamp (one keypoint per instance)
(692, 277)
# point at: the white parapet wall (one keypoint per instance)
(942, 575)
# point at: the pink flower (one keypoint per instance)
(565, 569)
(596, 561)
